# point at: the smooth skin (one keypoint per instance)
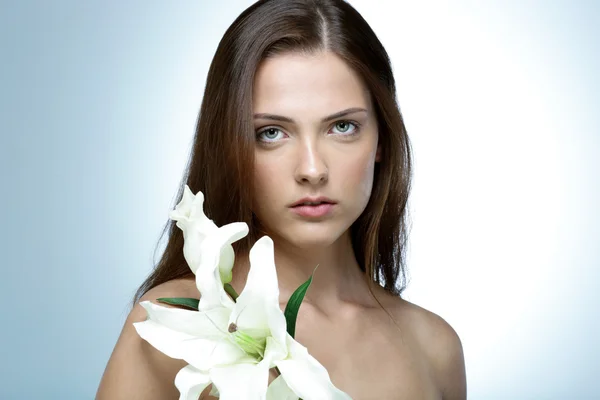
(374, 345)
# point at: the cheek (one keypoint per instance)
(267, 179)
(358, 177)
(261, 183)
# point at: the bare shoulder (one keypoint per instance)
(438, 342)
(174, 288)
(135, 369)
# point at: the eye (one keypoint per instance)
(269, 135)
(346, 128)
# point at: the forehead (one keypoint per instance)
(296, 84)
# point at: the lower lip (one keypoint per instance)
(313, 211)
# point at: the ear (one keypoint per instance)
(378, 154)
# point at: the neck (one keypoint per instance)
(337, 282)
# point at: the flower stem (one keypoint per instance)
(231, 291)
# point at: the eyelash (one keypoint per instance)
(357, 127)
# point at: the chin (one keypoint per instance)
(311, 243)
(313, 236)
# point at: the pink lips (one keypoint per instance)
(313, 211)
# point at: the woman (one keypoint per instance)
(300, 136)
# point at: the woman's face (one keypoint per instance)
(316, 136)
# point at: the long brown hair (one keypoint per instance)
(222, 157)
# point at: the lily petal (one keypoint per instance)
(183, 210)
(203, 247)
(257, 307)
(279, 390)
(227, 235)
(262, 277)
(162, 338)
(189, 213)
(193, 240)
(306, 376)
(277, 324)
(211, 324)
(274, 351)
(241, 381)
(197, 227)
(210, 286)
(226, 261)
(191, 382)
(201, 353)
(212, 267)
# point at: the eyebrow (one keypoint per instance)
(338, 114)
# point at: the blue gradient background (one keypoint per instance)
(501, 99)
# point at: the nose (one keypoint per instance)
(311, 167)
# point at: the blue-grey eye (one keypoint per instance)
(343, 126)
(269, 134)
(346, 127)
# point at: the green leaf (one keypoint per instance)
(231, 291)
(181, 301)
(293, 305)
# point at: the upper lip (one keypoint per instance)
(320, 199)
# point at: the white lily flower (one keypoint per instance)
(234, 347)
(206, 247)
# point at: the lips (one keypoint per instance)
(312, 201)
(318, 203)
(313, 207)
(313, 211)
